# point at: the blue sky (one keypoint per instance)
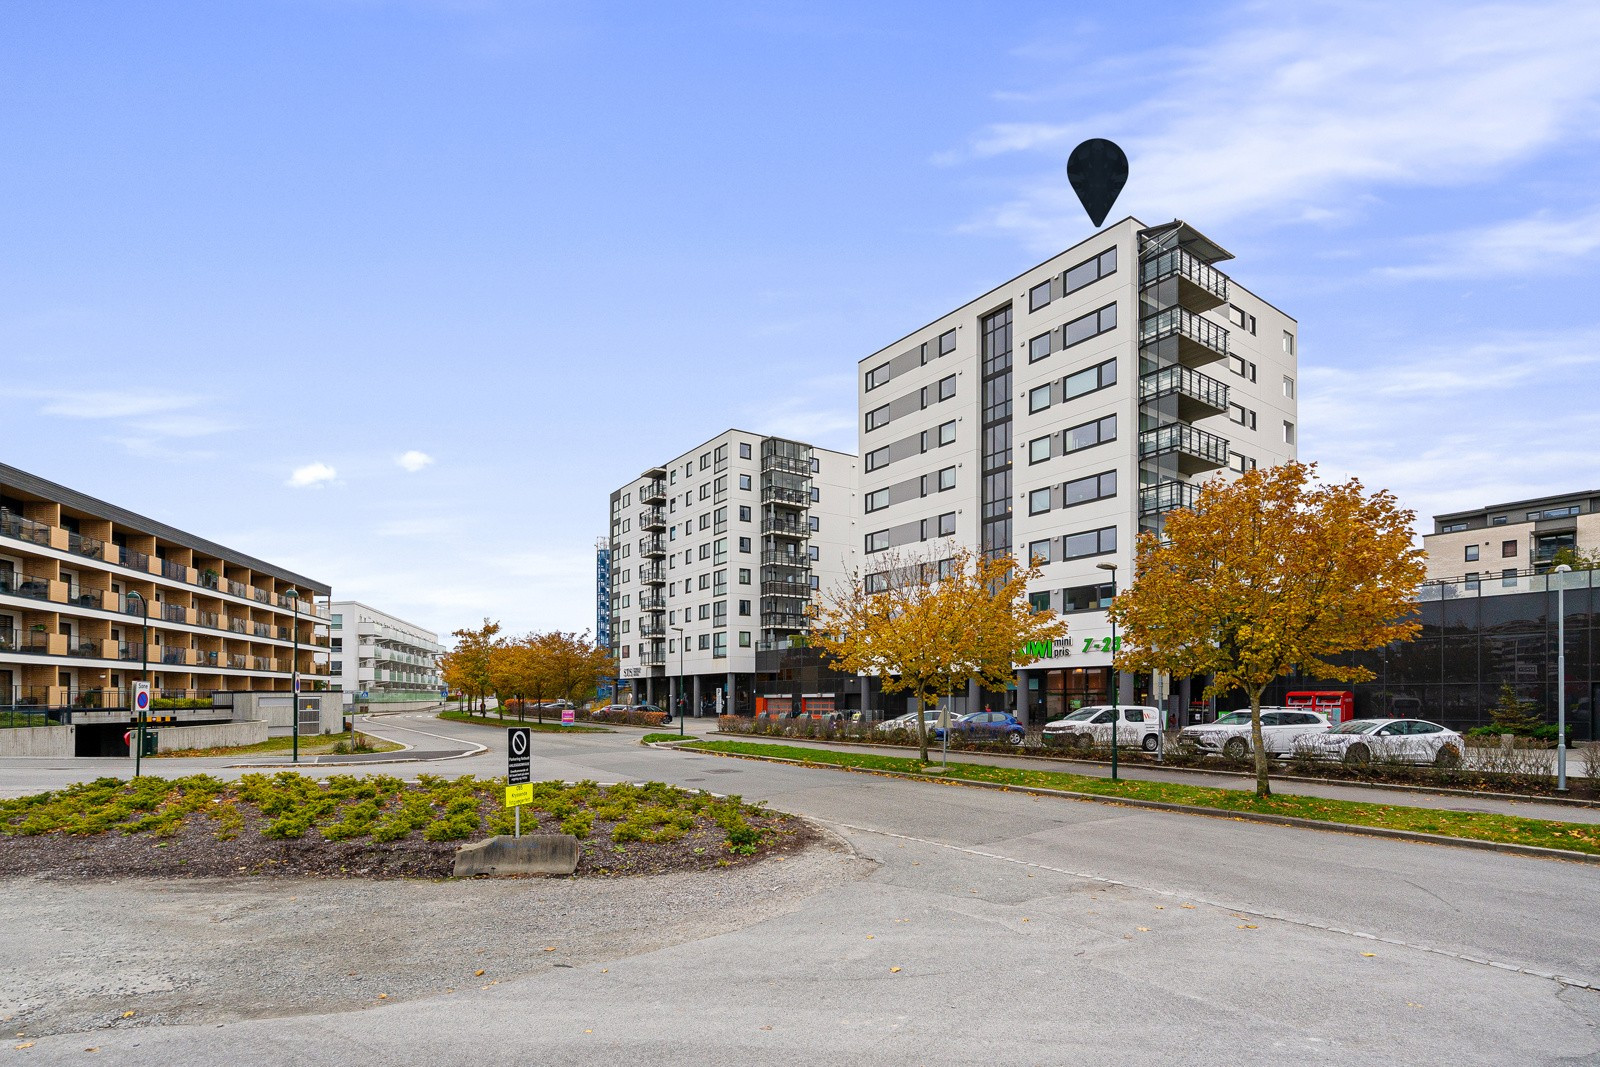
(334, 281)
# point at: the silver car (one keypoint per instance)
(1230, 735)
(1397, 740)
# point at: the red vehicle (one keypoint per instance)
(1338, 705)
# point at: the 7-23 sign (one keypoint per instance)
(1102, 644)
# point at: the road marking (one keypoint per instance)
(1310, 924)
(475, 750)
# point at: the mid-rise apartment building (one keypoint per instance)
(1502, 541)
(1063, 412)
(713, 558)
(380, 657)
(81, 580)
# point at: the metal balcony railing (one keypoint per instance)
(30, 586)
(796, 589)
(1200, 449)
(782, 620)
(786, 559)
(652, 659)
(652, 547)
(174, 613)
(653, 519)
(654, 492)
(1202, 389)
(775, 461)
(88, 547)
(653, 574)
(1166, 496)
(1176, 263)
(786, 528)
(652, 629)
(1200, 340)
(652, 603)
(777, 494)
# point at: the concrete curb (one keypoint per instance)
(1190, 809)
(1426, 790)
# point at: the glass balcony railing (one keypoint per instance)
(1176, 263)
(1167, 496)
(1199, 339)
(1196, 449)
(1184, 383)
(14, 525)
(654, 492)
(786, 527)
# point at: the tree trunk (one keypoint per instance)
(922, 728)
(1263, 787)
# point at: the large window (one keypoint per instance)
(877, 376)
(1090, 434)
(1089, 379)
(1089, 271)
(877, 500)
(1039, 296)
(1094, 487)
(947, 432)
(1089, 543)
(1038, 348)
(1472, 554)
(1038, 399)
(1039, 551)
(947, 524)
(947, 342)
(1039, 501)
(1091, 325)
(878, 457)
(1039, 449)
(947, 478)
(878, 417)
(877, 541)
(947, 387)
(1086, 597)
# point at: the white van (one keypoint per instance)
(1137, 725)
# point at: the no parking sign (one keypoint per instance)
(141, 698)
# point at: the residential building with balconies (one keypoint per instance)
(1503, 543)
(1062, 413)
(714, 556)
(381, 658)
(82, 580)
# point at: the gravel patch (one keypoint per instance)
(198, 950)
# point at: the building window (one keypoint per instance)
(1089, 543)
(744, 450)
(744, 575)
(1091, 325)
(1038, 348)
(1453, 527)
(878, 417)
(1038, 399)
(705, 642)
(1242, 319)
(947, 524)
(947, 478)
(744, 638)
(1094, 487)
(1288, 432)
(1508, 549)
(1241, 462)
(947, 387)
(1086, 597)
(877, 541)
(1472, 581)
(744, 607)
(878, 457)
(877, 500)
(1242, 415)
(744, 481)
(1039, 601)
(815, 521)
(1508, 578)
(1090, 379)
(816, 494)
(744, 513)
(947, 342)
(1090, 434)
(1288, 342)
(744, 544)
(1242, 367)
(1039, 501)
(1039, 296)
(1039, 551)
(1089, 271)
(877, 376)
(947, 432)
(1288, 387)
(1472, 554)
(1039, 449)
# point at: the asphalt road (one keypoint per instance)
(1005, 928)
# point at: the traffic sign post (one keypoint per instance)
(519, 772)
(141, 711)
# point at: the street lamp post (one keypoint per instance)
(679, 631)
(1561, 679)
(144, 676)
(293, 597)
(1116, 712)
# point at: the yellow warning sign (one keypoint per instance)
(518, 795)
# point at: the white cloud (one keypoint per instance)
(1519, 246)
(311, 476)
(114, 404)
(1311, 104)
(413, 460)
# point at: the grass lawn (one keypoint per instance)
(532, 724)
(312, 745)
(1477, 826)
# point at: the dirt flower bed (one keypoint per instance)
(369, 826)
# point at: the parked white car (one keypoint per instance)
(908, 721)
(1137, 725)
(1230, 735)
(1402, 740)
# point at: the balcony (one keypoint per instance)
(652, 629)
(1200, 287)
(652, 547)
(798, 560)
(786, 528)
(777, 494)
(776, 461)
(654, 492)
(653, 574)
(127, 557)
(797, 589)
(650, 602)
(174, 613)
(652, 658)
(29, 586)
(88, 547)
(14, 525)
(1197, 395)
(653, 519)
(1195, 341)
(1195, 451)
(176, 571)
(782, 620)
(1166, 496)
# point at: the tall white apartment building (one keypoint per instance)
(714, 556)
(382, 658)
(1064, 411)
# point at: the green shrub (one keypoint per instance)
(579, 824)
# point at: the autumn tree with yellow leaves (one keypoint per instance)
(1266, 575)
(466, 667)
(927, 626)
(536, 665)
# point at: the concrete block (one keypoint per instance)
(500, 856)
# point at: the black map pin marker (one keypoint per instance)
(1097, 169)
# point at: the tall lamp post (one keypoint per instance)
(1116, 712)
(679, 631)
(1561, 679)
(144, 676)
(293, 597)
